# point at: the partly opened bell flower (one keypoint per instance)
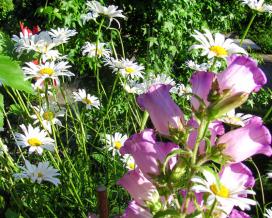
(238, 214)
(242, 143)
(163, 111)
(140, 188)
(148, 153)
(134, 210)
(229, 89)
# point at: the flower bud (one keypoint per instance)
(178, 171)
(226, 104)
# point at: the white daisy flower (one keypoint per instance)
(44, 45)
(129, 161)
(23, 42)
(48, 70)
(237, 119)
(131, 69)
(61, 35)
(43, 42)
(35, 139)
(216, 46)
(152, 80)
(90, 101)
(268, 213)
(269, 175)
(228, 192)
(181, 89)
(90, 50)
(114, 64)
(89, 16)
(115, 142)
(195, 66)
(127, 68)
(258, 5)
(202, 67)
(131, 86)
(96, 9)
(42, 172)
(48, 117)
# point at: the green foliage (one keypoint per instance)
(1, 111)
(6, 6)
(158, 33)
(11, 75)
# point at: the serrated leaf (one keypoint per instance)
(152, 41)
(98, 157)
(12, 75)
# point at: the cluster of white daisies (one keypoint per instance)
(45, 72)
(51, 65)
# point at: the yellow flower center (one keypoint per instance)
(129, 70)
(117, 145)
(34, 142)
(222, 191)
(219, 51)
(131, 165)
(87, 101)
(46, 71)
(99, 52)
(40, 174)
(48, 115)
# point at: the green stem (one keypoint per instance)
(112, 91)
(267, 114)
(213, 65)
(96, 58)
(247, 29)
(46, 94)
(212, 208)
(202, 130)
(260, 179)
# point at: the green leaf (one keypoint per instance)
(1, 111)
(167, 213)
(11, 214)
(152, 41)
(98, 157)
(12, 75)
